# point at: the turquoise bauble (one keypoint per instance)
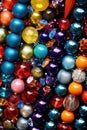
(20, 10)
(40, 51)
(61, 90)
(10, 54)
(49, 126)
(5, 92)
(16, 25)
(13, 40)
(23, 1)
(68, 62)
(83, 110)
(54, 114)
(82, 2)
(7, 67)
(80, 124)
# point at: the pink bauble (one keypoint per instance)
(17, 85)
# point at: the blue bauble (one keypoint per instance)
(7, 67)
(80, 124)
(20, 10)
(83, 110)
(76, 29)
(44, 37)
(13, 40)
(7, 78)
(71, 47)
(79, 13)
(10, 54)
(5, 92)
(61, 90)
(23, 1)
(82, 2)
(49, 126)
(68, 62)
(64, 77)
(54, 114)
(16, 25)
(40, 51)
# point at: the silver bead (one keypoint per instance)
(22, 124)
(78, 75)
(26, 111)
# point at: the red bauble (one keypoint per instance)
(8, 4)
(85, 29)
(29, 96)
(1, 51)
(22, 70)
(5, 17)
(84, 96)
(57, 102)
(64, 126)
(64, 24)
(14, 99)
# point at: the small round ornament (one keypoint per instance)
(1, 51)
(83, 47)
(30, 35)
(80, 123)
(37, 72)
(64, 24)
(50, 126)
(23, 1)
(44, 37)
(17, 85)
(67, 116)
(84, 96)
(3, 34)
(64, 126)
(26, 111)
(6, 17)
(13, 40)
(26, 52)
(39, 5)
(60, 89)
(81, 2)
(8, 124)
(7, 67)
(78, 75)
(71, 102)
(64, 76)
(54, 114)
(40, 51)
(75, 88)
(16, 25)
(19, 10)
(83, 110)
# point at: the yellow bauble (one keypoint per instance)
(40, 5)
(35, 17)
(37, 72)
(30, 35)
(26, 52)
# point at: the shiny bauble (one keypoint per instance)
(84, 96)
(80, 124)
(39, 5)
(11, 54)
(20, 10)
(60, 89)
(64, 24)
(83, 110)
(68, 62)
(79, 13)
(40, 51)
(13, 40)
(64, 76)
(78, 75)
(44, 37)
(37, 72)
(26, 52)
(23, 1)
(8, 124)
(1, 51)
(5, 92)
(7, 67)
(48, 14)
(30, 35)
(3, 34)
(26, 111)
(16, 25)
(6, 17)
(76, 29)
(54, 114)
(71, 47)
(50, 126)
(81, 2)
(22, 123)
(35, 17)
(71, 102)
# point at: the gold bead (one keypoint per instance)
(8, 124)
(37, 72)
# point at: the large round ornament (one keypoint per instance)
(40, 5)
(30, 35)
(20, 10)
(26, 52)
(3, 34)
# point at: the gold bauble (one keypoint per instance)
(37, 72)
(8, 124)
(3, 34)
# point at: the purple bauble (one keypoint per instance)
(60, 36)
(50, 80)
(44, 37)
(37, 118)
(34, 128)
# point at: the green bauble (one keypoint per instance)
(3, 34)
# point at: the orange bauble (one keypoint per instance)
(75, 88)
(67, 116)
(5, 17)
(81, 62)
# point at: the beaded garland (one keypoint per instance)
(43, 65)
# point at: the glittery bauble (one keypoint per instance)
(40, 5)
(80, 123)
(84, 96)
(8, 124)
(83, 110)
(71, 102)
(83, 47)
(37, 72)
(64, 24)
(22, 123)
(26, 52)
(35, 17)
(3, 34)
(78, 75)
(26, 111)
(30, 35)
(64, 126)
